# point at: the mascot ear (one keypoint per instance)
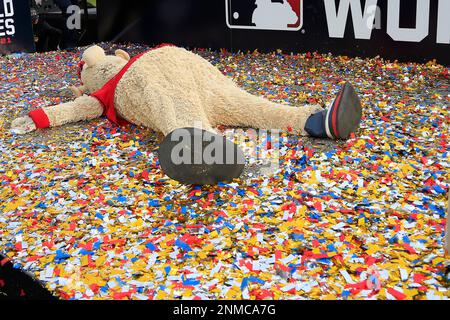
(92, 55)
(122, 54)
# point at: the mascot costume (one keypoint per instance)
(184, 97)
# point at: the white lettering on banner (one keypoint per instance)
(416, 34)
(443, 28)
(6, 19)
(376, 11)
(363, 22)
(280, 16)
(8, 8)
(10, 29)
(337, 19)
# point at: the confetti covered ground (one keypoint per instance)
(86, 209)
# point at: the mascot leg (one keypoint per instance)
(191, 151)
(340, 119)
(196, 156)
(237, 107)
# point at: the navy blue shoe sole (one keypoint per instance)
(183, 156)
(345, 114)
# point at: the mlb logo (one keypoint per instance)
(280, 15)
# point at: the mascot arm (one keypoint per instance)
(78, 91)
(82, 108)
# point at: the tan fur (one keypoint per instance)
(82, 108)
(92, 55)
(159, 96)
(78, 91)
(122, 54)
(96, 76)
(170, 88)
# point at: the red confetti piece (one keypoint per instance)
(397, 295)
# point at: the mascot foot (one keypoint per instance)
(195, 156)
(340, 120)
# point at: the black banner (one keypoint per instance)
(16, 32)
(191, 310)
(405, 30)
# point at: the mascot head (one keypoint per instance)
(96, 69)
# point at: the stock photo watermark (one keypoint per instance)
(73, 13)
(74, 19)
(202, 146)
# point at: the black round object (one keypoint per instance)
(196, 156)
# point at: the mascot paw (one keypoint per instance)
(23, 125)
(77, 91)
(195, 156)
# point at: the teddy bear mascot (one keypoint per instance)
(182, 96)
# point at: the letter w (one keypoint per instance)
(362, 22)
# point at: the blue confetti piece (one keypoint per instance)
(153, 203)
(120, 281)
(85, 252)
(437, 209)
(191, 282)
(41, 206)
(256, 280)
(167, 269)
(438, 189)
(168, 223)
(97, 245)
(244, 283)
(331, 248)
(100, 216)
(182, 245)
(297, 237)
(293, 268)
(229, 225)
(325, 261)
(219, 219)
(121, 199)
(60, 255)
(394, 239)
